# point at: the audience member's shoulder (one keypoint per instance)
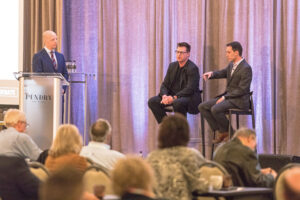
(117, 153)
(12, 160)
(23, 136)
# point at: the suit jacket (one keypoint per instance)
(242, 164)
(189, 84)
(238, 84)
(41, 62)
(16, 180)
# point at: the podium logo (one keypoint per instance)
(37, 97)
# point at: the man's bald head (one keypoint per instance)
(50, 39)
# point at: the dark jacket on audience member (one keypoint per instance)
(242, 163)
(16, 180)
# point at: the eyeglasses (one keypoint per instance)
(180, 52)
(24, 122)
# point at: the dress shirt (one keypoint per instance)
(101, 154)
(49, 53)
(235, 65)
(14, 143)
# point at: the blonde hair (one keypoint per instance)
(131, 172)
(13, 116)
(67, 140)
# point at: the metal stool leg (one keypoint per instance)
(229, 125)
(213, 145)
(253, 121)
(237, 121)
(203, 135)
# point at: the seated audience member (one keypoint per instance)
(16, 180)
(132, 179)
(65, 149)
(240, 160)
(175, 165)
(292, 184)
(97, 150)
(65, 184)
(13, 140)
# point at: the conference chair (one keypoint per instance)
(279, 182)
(97, 175)
(39, 170)
(208, 169)
(169, 108)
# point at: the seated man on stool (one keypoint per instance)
(180, 87)
(239, 76)
(238, 157)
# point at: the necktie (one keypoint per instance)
(53, 60)
(233, 68)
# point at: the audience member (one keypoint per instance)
(292, 184)
(13, 140)
(240, 160)
(16, 180)
(98, 150)
(65, 149)
(65, 184)
(132, 179)
(175, 165)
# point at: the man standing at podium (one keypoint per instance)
(48, 60)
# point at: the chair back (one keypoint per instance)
(39, 170)
(211, 168)
(279, 182)
(97, 175)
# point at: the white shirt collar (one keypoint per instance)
(237, 63)
(99, 144)
(48, 50)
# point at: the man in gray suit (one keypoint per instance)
(239, 76)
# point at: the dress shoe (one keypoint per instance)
(221, 137)
(226, 138)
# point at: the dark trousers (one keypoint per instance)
(180, 105)
(215, 114)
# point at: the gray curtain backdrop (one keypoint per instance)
(128, 44)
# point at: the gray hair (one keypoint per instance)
(13, 116)
(244, 132)
(99, 130)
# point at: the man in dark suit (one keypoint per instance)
(16, 180)
(239, 76)
(48, 60)
(180, 87)
(240, 160)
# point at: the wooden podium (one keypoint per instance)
(40, 98)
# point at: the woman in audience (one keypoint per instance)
(132, 179)
(65, 184)
(175, 165)
(65, 149)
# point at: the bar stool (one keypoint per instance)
(238, 112)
